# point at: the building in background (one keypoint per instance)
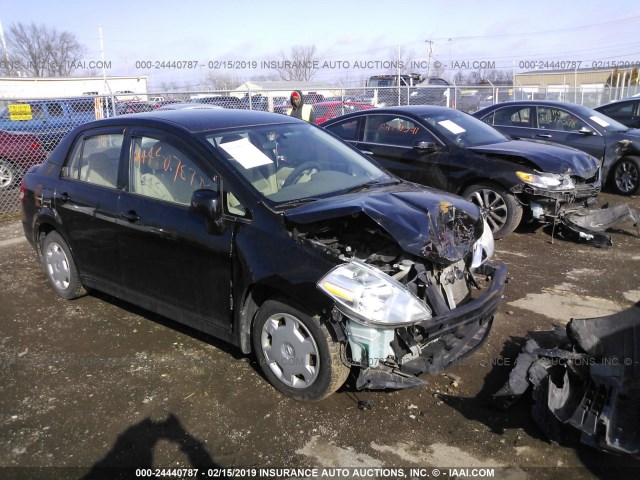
(589, 87)
(15, 88)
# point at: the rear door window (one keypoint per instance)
(55, 109)
(346, 130)
(515, 116)
(96, 159)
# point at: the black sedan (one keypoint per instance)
(617, 146)
(270, 233)
(626, 111)
(451, 150)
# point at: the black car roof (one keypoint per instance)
(402, 109)
(415, 109)
(548, 103)
(616, 102)
(196, 120)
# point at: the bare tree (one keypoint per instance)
(220, 81)
(458, 78)
(300, 66)
(399, 61)
(40, 51)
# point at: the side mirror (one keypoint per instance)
(425, 147)
(207, 203)
(586, 131)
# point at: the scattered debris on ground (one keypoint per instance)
(587, 376)
(591, 226)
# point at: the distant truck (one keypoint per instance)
(406, 89)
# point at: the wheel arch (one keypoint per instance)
(489, 182)
(259, 293)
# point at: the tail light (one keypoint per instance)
(23, 192)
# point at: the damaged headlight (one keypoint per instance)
(547, 180)
(483, 248)
(372, 297)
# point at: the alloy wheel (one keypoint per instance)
(492, 206)
(626, 176)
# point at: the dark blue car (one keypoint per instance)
(51, 119)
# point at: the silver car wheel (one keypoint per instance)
(626, 176)
(493, 207)
(6, 175)
(290, 350)
(58, 267)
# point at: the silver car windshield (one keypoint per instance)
(294, 161)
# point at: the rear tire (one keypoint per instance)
(500, 208)
(60, 267)
(296, 352)
(625, 177)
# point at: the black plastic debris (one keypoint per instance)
(371, 379)
(587, 377)
(590, 226)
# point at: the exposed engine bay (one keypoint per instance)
(391, 354)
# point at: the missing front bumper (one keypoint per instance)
(433, 345)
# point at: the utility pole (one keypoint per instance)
(6, 52)
(430, 42)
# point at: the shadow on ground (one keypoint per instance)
(134, 449)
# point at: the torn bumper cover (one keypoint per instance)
(591, 225)
(588, 377)
(392, 357)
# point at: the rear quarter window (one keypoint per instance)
(95, 159)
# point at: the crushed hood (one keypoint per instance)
(425, 222)
(548, 158)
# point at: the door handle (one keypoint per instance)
(543, 135)
(366, 152)
(64, 197)
(130, 216)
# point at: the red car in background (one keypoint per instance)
(18, 152)
(327, 110)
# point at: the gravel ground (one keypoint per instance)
(98, 382)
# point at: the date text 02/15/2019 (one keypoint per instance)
(577, 64)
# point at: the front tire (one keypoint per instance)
(60, 267)
(296, 352)
(500, 208)
(625, 178)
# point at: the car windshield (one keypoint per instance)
(608, 124)
(288, 162)
(463, 129)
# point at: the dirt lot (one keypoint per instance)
(96, 382)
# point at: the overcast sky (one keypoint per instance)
(506, 33)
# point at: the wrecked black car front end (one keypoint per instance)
(412, 292)
(549, 180)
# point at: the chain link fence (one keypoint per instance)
(31, 128)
